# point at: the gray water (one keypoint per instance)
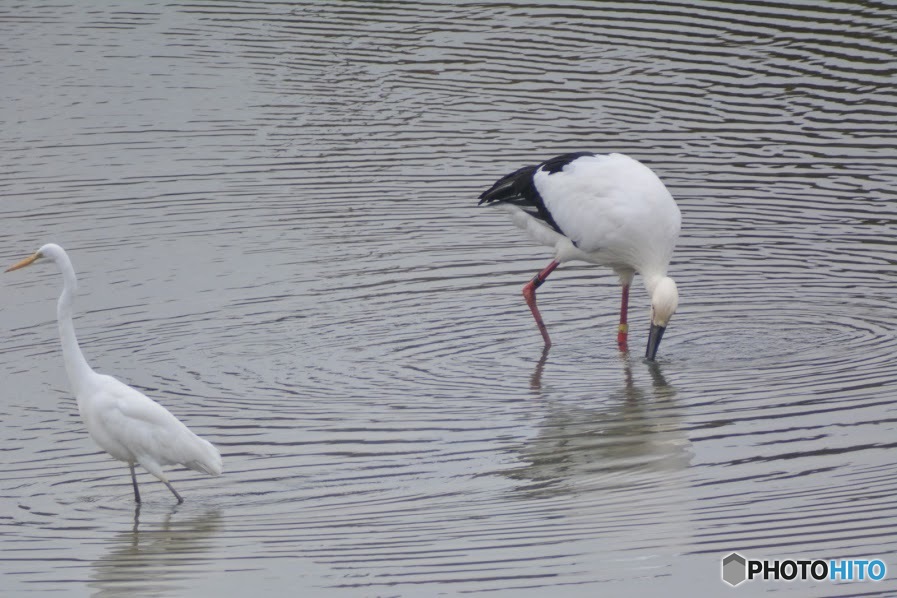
(272, 211)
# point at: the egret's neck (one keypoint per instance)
(75, 365)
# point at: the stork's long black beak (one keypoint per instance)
(654, 340)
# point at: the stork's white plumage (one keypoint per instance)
(603, 209)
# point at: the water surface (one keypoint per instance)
(271, 207)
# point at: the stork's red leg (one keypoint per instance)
(623, 331)
(529, 293)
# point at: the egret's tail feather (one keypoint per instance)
(213, 469)
(206, 458)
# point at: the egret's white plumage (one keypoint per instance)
(603, 209)
(122, 420)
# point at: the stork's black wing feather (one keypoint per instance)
(519, 189)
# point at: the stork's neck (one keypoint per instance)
(651, 279)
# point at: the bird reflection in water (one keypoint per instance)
(636, 429)
(156, 558)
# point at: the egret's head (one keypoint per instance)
(664, 301)
(50, 250)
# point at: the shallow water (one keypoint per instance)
(271, 208)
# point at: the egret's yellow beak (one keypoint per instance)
(25, 262)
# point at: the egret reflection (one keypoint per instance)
(155, 557)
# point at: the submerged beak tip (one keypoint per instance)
(654, 338)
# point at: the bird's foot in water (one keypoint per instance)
(529, 293)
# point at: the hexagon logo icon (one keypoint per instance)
(734, 569)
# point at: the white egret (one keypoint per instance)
(603, 209)
(121, 420)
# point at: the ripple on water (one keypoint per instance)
(287, 254)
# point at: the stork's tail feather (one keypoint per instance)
(519, 189)
(510, 187)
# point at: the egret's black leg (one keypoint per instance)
(134, 481)
(175, 492)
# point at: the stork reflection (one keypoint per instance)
(633, 427)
